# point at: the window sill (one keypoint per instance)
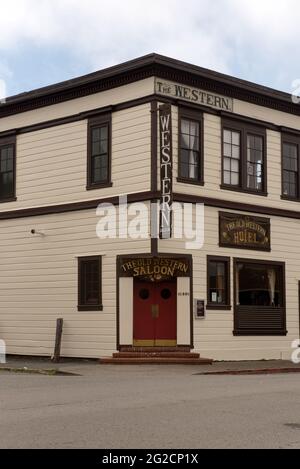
(241, 190)
(190, 181)
(266, 333)
(90, 308)
(291, 199)
(211, 307)
(99, 186)
(9, 199)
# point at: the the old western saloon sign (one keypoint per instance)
(166, 169)
(155, 268)
(245, 232)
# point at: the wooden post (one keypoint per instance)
(59, 331)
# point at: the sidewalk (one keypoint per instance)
(85, 366)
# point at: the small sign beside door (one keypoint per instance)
(199, 309)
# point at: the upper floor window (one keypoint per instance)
(7, 169)
(99, 152)
(290, 167)
(190, 164)
(244, 158)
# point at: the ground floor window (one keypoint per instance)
(259, 298)
(218, 282)
(89, 284)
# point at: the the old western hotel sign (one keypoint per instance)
(193, 95)
(246, 232)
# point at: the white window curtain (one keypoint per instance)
(192, 159)
(220, 282)
(272, 285)
(237, 283)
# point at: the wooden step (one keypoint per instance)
(156, 355)
(156, 361)
(154, 349)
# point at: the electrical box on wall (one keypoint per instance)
(199, 309)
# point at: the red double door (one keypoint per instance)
(155, 314)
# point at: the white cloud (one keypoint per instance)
(224, 35)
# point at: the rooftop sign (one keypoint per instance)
(193, 95)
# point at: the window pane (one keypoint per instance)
(236, 138)
(259, 285)
(227, 177)
(189, 156)
(235, 179)
(217, 272)
(227, 150)
(96, 134)
(90, 282)
(194, 128)
(227, 136)
(6, 171)
(255, 162)
(236, 152)
(185, 126)
(227, 164)
(185, 141)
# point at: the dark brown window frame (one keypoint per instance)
(81, 306)
(213, 306)
(256, 332)
(196, 116)
(294, 140)
(98, 121)
(4, 142)
(245, 129)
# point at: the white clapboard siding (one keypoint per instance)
(213, 159)
(103, 99)
(213, 336)
(38, 284)
(51, 163)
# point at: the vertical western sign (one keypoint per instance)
(166, 170)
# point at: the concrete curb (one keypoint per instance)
(32, 371)
(266, 371)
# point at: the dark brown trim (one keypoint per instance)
(218, 308)
(192, 301)
(150, 196)
(94, 122)
(234, 117)
(144, 67)
(79, 117)
(145, 100)
(11, 140)
(154, 170)
(244, 130)
(257, 332)
(299, 306)
(185, 112)
(295, 140)
(238, 206)
(76, 206)
(81, 305)
(212, 306)
(154, 146)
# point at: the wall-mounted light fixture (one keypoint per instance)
(38, 233)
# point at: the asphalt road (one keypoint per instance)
(149, 407)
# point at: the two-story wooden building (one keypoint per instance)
(234, 147)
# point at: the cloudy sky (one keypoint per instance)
(46, 41)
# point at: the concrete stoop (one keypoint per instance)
(151, 356)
